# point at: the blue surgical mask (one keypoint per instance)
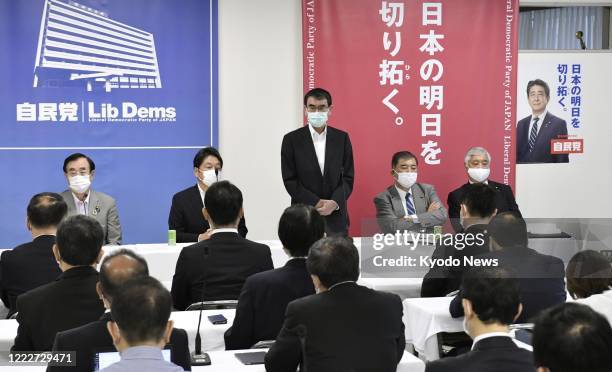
(317, 119)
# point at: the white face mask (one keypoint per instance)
(210, 176)
(317, 119)
(479, 174)
(79, 184)
(406, 179)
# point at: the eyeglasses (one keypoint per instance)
(80, 172)
(313, 108)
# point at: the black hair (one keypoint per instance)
(333, 260)
(46, 209)
(319, 94)
(401, 155)
(572, 337)
(509, 230)
(199, 157)
(299, 227)
(141, 310)
(79, 240)
(479, 199)
(494, 294)
(541, 83)
(223, 201)
(111, 282)
(76, 156)
(588, 273)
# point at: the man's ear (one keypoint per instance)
(100, 255)
(468, 310)
(206, 215)
(518, 313)
(329, 111)
(56, 254)
(99, 290)
(92, 174)
(168, 331)
(542, 369)
(28, 225)
(494, 213)
(114, 332)
(316, 281)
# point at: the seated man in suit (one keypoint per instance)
(216, 268)
(141, 326)
(491, 302)
(540, 277)
(80, 170)
(186, 212)
(534, 133)
(407, 205)
(477, 209)
(572, 337)
(265, 295)
(71, 300)
(477, 163)
(116, 269)
(344, 327)
(32, 264)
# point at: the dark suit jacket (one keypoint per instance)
(263, 302)
(187, 219)
(551, 127)
(302, 174)
(230, 261)
(540, 278)
(504, 201)
(349, 327)
(94, 336)
(68, 302)
(26, 267)
(442, 280)
(499, 354)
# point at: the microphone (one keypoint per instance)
(300, 331)
(579, 35)
(198, 358)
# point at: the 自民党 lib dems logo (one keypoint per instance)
(82, 47)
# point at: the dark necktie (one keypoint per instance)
(533, 134)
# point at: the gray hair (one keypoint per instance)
(477, 151)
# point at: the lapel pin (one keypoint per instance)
(96, 210)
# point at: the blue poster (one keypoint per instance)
(132, 84)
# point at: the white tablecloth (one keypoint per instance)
(424, 318)
(212, 335)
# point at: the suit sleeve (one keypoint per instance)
(240, 334)
(437, 217)
(562, 158)
(401, 339)
(58, 346)
(454, 207)
(23, 340)
(176, 221)
(388, 222)
(180, 349)
(242, 229)
(513, 207)
(113, 227)
(455, 308)
(286, 353)
(290, 176)
(267, 262)
(345, 188)
(180, 286)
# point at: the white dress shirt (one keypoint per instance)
(402, 195)
(81, 206)
(319, 142)
(487, 335)
(202, 193)
(602, 303)
(225, 229)
(541, 116)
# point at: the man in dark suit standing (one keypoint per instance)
(344, 327)
(32, 264)
(476, 210)
(317, 163)
(264, 297)
(540, 277)
(535, 132)
(116, 269)
(186, 212)
(491, 302)
(71, 300)
(477, 164)
(216, 268)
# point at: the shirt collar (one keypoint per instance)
(224, 230)
(77, 201)
(488, 335)
(541, 116)
(314, 134)
(403, 193)
(486, 182)
(340, 283)
(202, 192)
(142, 352)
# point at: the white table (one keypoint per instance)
(212, 335)
(225, 361)
(423, 319)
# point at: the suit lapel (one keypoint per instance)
(396, 201)
(330, 145)
(93, 208)
(418, 197)
(69, 199)
(542, 137)
(309, 148)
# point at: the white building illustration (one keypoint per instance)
(81, 46)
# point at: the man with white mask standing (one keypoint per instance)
(408, 205)
(186, 213)
(477, 165)
(317, 164)
(79, 170)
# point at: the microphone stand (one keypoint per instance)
(198, 358)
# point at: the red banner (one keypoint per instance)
(433, 78)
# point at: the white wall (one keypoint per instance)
(260, 94)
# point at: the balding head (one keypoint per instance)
(117, 268)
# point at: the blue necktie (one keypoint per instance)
(533, 134)
(409, 205)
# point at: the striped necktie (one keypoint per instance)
(409, 206)
(533, 134)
